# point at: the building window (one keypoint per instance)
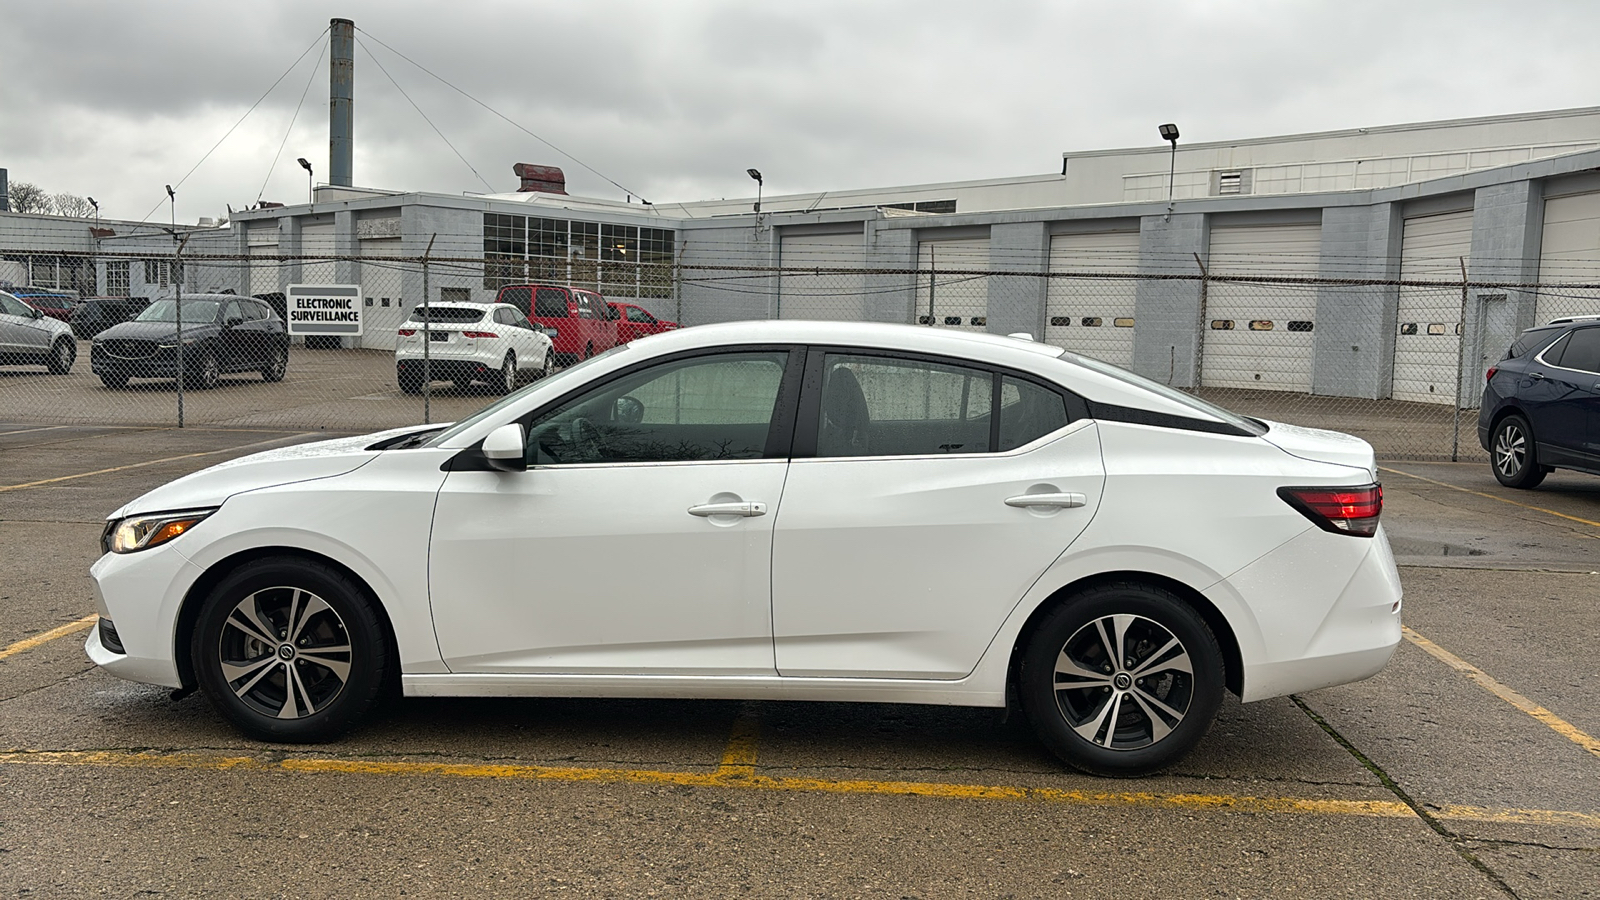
(117, 283)
(619, 260)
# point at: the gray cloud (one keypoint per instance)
(676, 100)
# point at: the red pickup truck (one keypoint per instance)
(637, 322)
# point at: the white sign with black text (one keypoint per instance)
(324, 309)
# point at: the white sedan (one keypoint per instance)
(467, 342)
(779, 510)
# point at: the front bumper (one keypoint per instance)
(161, 364)
(141, 593)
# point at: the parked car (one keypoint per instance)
(467, 342)
(221, 334)
(57, 305)
(1541, 403)
(28, 337)
(637, 322)
(577, 320)
(95, 314)
(784, 509)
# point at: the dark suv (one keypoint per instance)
(1541, 406)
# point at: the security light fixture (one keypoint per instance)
(171, 194)
(1169, 132)
(753, 173)
(310, 196)
(96, 211)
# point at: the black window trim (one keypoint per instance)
(780, 430)
(806, 425)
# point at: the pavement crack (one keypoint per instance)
(1454, 840)
(1536, 845)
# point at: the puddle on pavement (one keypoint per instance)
(1413, 547)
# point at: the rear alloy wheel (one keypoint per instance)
(1516, 461)
(549, 363)
(1122, 680)
(290, 650)
(62, 356)
(205, 374)
(276, 365)
(506, 381)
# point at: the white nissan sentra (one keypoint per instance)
(777, 510)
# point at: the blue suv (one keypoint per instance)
(1541, 406)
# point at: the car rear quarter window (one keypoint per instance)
(1028, 412)
(1531, 341)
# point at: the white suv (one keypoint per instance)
(467, 342)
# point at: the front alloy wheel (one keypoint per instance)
(1123, 680)
(290, 650)
(1516, 462)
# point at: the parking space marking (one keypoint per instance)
(1484, 680)
(1463, 490)
(139, 465)
(38, 639)
(32, 430)
(1379, 809)
(739, 758)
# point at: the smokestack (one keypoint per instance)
(341, 96)
(5, 192)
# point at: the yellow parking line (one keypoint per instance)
(739, 758)
(1381, 809)
(152, 462)
(1551, 720)
(48, 636)
(1463, 490)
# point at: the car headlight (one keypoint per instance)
(187, 342)
(137, 533)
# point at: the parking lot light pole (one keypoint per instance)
(427, 340)
(309, 179)
(177, 291)
(1170, 133)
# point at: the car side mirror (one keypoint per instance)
(35, 312)
(235, 321)
(506, 448)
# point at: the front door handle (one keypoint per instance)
(743, 508)
(1054, 501)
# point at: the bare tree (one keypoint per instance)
(67, 204)
(29, 198)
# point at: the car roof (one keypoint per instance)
(1567, 320)
(912, 338)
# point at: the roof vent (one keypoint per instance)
(544, 179)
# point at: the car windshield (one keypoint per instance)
(516, 396)
(167, 311)
(1250, 426)
(447, 314)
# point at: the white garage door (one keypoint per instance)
(1570, 253)
(1428, 342)
(317, 240)
(380, 294)
(822, 295)
(1260, 335)
(1093, 316)
(953, 300)
(264, 269)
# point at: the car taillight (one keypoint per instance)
(407, 332)
(477, 334)
(1344, 510)
(1490, 375)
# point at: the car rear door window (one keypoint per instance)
(1582, 351)
(706, 408)
(550, 303)
(885, 406)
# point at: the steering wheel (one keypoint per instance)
(586, 442)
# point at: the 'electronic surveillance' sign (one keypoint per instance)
(324, 309)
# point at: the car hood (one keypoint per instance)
(269, 468)
(154, 331)
(1319, 445)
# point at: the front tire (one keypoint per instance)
(1515, 455)
(62, 356)
(205, 375)
(290, 650)
(1121, 680)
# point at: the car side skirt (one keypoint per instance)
(719, 687)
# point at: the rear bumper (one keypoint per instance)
(435, 369)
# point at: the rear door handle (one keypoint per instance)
(744, 508)
(1056, 501)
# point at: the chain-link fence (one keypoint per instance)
(1397, 363)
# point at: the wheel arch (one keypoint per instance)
(1233, 659)
(195, 597)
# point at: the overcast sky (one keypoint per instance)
(674, 100)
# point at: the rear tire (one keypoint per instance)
(62, 355)
(1122, 680)
(1514, 454)
(290, 650)
(277, 364)
(506, 380)
(410, 381)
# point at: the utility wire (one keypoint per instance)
(241, 120)
(286, 132)
(374, 58)
(501, 115)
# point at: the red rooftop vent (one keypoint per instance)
(544, 179)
